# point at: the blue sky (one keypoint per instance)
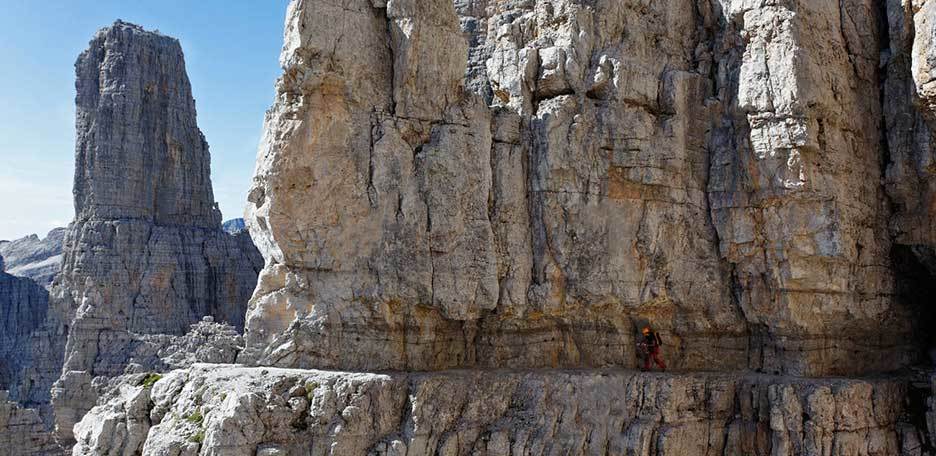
(231, 52)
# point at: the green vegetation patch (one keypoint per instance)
(198, 437)
(310, 388)
(195, 417)
(151, 380)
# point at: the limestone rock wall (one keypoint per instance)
(153, 280)
(796, 187)
(221, 410)
(523, 183)
(480, 189)
(907, 111)
(135, 112)
(34, 258)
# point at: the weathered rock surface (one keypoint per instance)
(230, 410)
(34, 258)
(22, 432)
(77, 391)
(146, 256)
(23, 308)
(206, 342)
(522, 191)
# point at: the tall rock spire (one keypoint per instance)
(146, 256)
(140, 154)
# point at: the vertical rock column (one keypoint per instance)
(146, 254)
(393, 255)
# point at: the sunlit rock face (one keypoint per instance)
(520, 184)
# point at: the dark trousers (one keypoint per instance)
(654, 354)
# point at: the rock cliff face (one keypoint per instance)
(23, 433)
(479, 189)
(524, 190)
(146, 256)
(23, 308)
(522, 184)
(34, 258)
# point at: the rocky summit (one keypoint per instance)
(469, 209)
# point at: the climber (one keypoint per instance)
(650, 348)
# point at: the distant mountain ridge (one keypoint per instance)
(40, 259)
(234, 226)
(34, 258)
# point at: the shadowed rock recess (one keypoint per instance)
(487, 198)
(23, 308)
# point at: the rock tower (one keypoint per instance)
(145, 256)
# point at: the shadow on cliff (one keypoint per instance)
(916, 288)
